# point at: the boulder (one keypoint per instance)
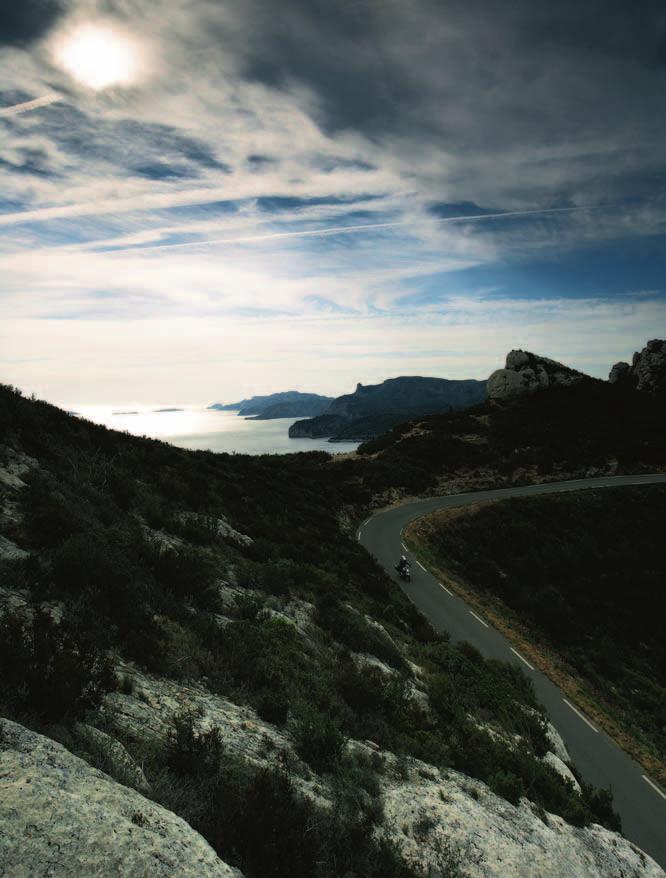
(506, 384)
(64, 819)
(113, 757)
(525, 373)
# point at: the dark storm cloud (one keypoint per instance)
(23, 22)
(552, 97)
(372, 60)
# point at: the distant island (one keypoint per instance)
(156, 411)
(373, 409)
(288, 404)
(124, 413)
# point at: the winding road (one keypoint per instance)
(638, 799)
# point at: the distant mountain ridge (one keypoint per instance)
(287, 404)
(374, 408)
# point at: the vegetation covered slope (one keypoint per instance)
(584, 573)
(131, 555)
(374, 408)
(584, 428)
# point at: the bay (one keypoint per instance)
(199, 428)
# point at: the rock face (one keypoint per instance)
(433, 815)
(647, 371)
(525, 373)
(64, 819)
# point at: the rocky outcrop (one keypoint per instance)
(647, 371)
(14, 465)
(525, 373)
(149, 710)
(64, 819)
(9, 551)
(437, 817)
(220, 526)
(108, 753)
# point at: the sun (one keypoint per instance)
(99, 56)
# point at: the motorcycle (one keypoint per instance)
(404, 572)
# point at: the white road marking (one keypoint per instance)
(654, 786)
(404, 547)
(479, 619)
(578, 713)
(515, 652)
(366, 521)
(421, 566)
(448, 591)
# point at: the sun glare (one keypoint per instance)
(99, 56)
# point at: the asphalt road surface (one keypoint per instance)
(638, 799)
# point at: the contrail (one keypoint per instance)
(27, 106)
(364, 227)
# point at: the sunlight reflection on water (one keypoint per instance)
(215, 431)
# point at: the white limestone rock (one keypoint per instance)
(148, 712)
(505, 384)
(556, 743)
(9, 551)
(13, 466)
(525, 373)
(220, 525)
(647, 371)
(428, 811)
(562, 769)
(116, 760)
(63, 819)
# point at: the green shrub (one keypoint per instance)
(318, 739)
(89, 562)
(46, 670)
(273, 706)
(199, 754)
(257, 821)
(184, 573)
(352, 630)
(508, 786)
(49, 517)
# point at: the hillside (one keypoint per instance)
(582, 429)
(581, 576)
(288, 404)
(199, 627)
(372, 409)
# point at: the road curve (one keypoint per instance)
(640, 803)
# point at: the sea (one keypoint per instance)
(199, 428)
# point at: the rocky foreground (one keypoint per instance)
(63, 818)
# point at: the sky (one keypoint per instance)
(303, 194)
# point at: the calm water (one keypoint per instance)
(215, 431)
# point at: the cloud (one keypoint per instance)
(77, 362)
(27, 106)
(292, 166)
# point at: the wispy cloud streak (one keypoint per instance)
(27, 106)
(364, 227)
